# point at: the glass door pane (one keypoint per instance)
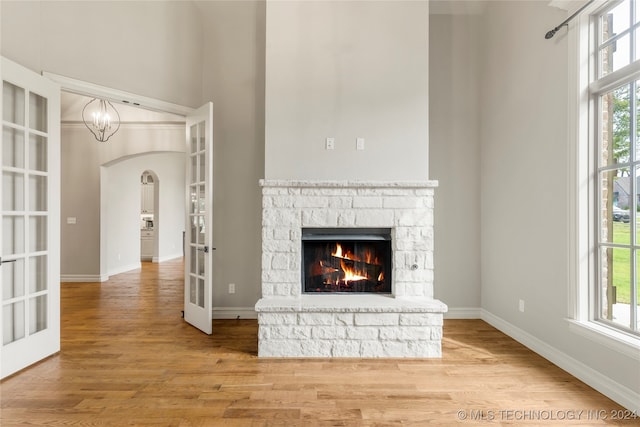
(13, 322)
(38, 153)
(37, 112)
(12, 147)
(37, 314)
(12, 191)
(13, 280)
(13, 104)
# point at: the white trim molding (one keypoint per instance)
(125, 268)
(127, 98)
(83, 278)
(580, 203)
(610, 338)
(603, 384)
(167, 257)
(177, 126)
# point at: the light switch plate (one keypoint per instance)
(360, 144)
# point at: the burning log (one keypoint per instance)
(322, 269)
(347, 266)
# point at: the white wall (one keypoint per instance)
(524, 188)
(82, 157)
(80, 199)
(347, 70)
(234, 80)
(454, 152)
(151, 48)
(170, 169)
(121, 194)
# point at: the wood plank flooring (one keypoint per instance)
(128, 358)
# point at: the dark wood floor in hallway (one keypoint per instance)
(128, 358)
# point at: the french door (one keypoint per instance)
(30, 215)
(199, 206)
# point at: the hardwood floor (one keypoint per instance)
(128, 358)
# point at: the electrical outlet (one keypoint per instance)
(330, 143)
(359, 144)
(521, 305)
(232, 288)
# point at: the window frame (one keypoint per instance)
(601, 85)
(583, 206)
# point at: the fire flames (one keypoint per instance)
(367, 255)
(351, 272)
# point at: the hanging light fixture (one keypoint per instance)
(101, 118)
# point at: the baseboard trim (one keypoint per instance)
(167, 257)
(234, 313)
(603, 384)
(80, 278)
(97, 278)
(463, 313)
(125, 268)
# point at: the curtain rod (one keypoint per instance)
(553, 32)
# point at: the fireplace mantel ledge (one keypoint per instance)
(285, 183)
(350, 304)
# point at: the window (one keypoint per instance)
(614, 94)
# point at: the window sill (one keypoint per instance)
(618, 341)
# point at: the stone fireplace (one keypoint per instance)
(315, 308)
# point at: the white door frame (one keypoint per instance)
(114, 95)
(80, 87)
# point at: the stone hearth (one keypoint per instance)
(407, 323)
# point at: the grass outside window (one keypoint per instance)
(622, 276)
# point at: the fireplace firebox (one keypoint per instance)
(353, 260)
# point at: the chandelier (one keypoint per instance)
(101, 118)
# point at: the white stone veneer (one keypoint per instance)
(292, 324)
